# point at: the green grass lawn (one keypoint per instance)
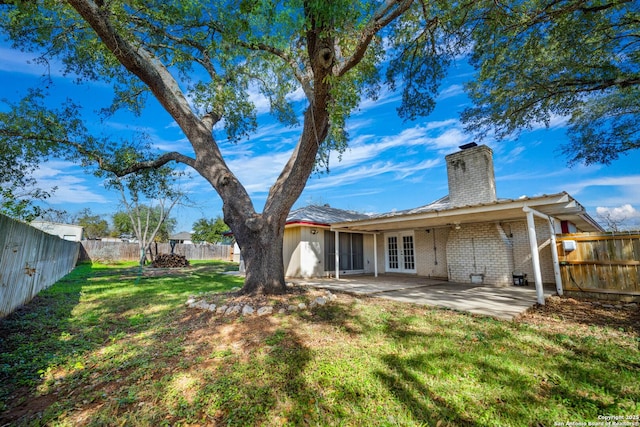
(109, 346)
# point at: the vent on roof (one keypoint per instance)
(469, 145)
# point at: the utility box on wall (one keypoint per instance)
(569, 245)
(476, 279)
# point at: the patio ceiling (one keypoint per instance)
(561, 206)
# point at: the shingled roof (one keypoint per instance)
(322, 215)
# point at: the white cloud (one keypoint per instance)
(258, 172)
(624, 217)
(450, 92)
(15, 61)
(615, 181)
(620, 213)
(354, 125)
(71, 187)
(449, 139)
(259, 100)
(359, 162)
(181, 145)
(555, 122)
(442, 124)
(365, 147)
(384, 97)
(263, 106)
(511, 156)
(297, 95)
(406, 156)
(364, 172)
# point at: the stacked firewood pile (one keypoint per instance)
(170, 261)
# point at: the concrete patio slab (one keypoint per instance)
(499, 302)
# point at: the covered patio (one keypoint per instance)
(463, 221)
(500, 302)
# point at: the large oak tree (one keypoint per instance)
(540, 60)
(201, 59)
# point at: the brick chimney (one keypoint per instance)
(470, 175)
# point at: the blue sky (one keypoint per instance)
(389, 165)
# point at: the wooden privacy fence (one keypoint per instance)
(97, 250)
(606, 263)
(30, 261)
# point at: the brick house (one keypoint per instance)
(470, 235)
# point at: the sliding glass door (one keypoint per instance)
(351, 251)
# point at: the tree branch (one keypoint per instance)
(549, 14)
(156, 163)
(146, 66)
(390, 10)
(303, 76)
(102, 162)
(596, 85)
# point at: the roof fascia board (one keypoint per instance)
(559, 199)
(306, 224)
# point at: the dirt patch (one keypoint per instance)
(560, 313)
(294, 296)
(150, 271)
(30, 405)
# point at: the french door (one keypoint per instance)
(400, 253)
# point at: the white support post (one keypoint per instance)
(535, 258)
(554, 256)
(554, 248)
(337, 257)
(375, 255)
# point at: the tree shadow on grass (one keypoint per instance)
(132, 354)
(261, 380)
(506, 377)
(30, 342)
(57, 352)
(423, 404)
(203, 369)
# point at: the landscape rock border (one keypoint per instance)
(235, 307)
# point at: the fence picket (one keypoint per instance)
(94, 250)
(30, 261)
(602, 263)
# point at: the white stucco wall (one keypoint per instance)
(69, 232)
(311, 249)
(303, 252)
(369, 266)
(291, 251)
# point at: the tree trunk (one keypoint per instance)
(143, 254)
(263, 259)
